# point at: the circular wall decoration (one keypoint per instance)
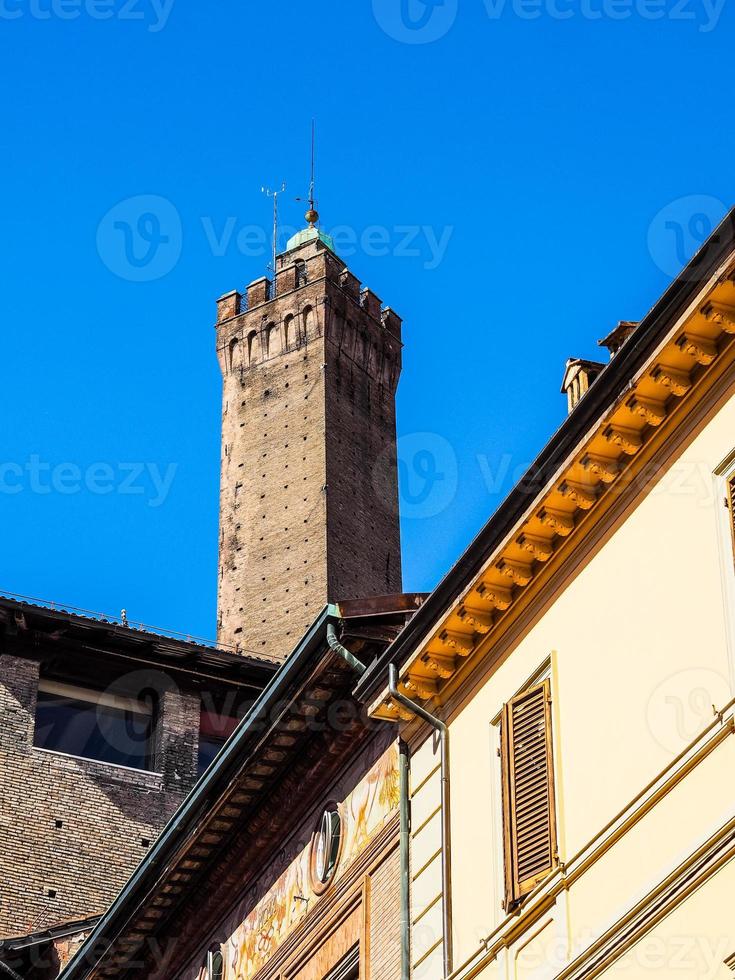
(326, 847)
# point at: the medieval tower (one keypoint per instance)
(309, 494)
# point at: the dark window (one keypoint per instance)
(215, 727)
(301, 276)
(93, 725)
(209, 748)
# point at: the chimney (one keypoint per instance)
(580, 373)
(578, 377)
(617, 337)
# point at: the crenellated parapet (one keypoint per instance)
(314, 293)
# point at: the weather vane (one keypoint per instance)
(274, 194)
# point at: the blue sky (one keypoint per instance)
(512, 176)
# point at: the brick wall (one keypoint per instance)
(362, 369)
(72, 830)
(385, 920)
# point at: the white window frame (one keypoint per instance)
(78, 693)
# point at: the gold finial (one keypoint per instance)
(312, 215)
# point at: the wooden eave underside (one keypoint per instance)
(698, 351)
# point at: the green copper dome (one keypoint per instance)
(309, 235)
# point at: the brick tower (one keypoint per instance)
(309, 493)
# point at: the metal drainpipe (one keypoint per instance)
(9, 971)
(440, 727)
(343, 652)
(405, 854)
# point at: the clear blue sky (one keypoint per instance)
(556, 160)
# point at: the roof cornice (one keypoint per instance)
(687, 336)
(61, 631)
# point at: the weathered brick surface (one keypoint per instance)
(72, 830)
(309, 498)
(385, 919)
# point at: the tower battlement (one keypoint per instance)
(301, 270)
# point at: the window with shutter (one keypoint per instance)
(529, 820)
(731, 508)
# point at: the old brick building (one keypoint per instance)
(309, 500)
(104, 730)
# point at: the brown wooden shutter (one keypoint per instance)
(529, 820)
(731, 508)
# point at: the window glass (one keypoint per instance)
(216, 724)
(92, 725)
(209, 748)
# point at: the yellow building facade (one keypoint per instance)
(575, 817)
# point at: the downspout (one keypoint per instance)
(342, 651)
(9, 971)
(405, 855)
(441, 728)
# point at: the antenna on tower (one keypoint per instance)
(274, 194)
(312, 215)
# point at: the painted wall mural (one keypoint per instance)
(364, 812)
